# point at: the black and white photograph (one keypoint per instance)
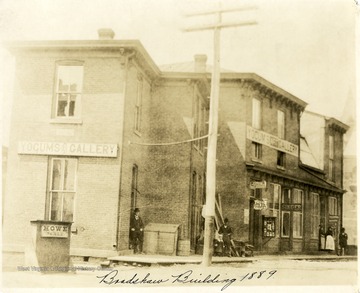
(195, 145)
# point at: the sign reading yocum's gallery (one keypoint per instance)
(272, 141)
(67, 149)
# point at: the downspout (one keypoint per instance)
(124, 63)
(191, 174)
(342, 179)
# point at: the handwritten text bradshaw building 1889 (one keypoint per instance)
(187, 277)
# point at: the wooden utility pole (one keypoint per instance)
(213, 123)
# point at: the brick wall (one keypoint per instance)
(96, 198)
(165, 185)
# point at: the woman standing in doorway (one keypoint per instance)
(329, 243)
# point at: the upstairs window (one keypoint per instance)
(256, 151)
(331, 157)
(333, 210)
(256, 113)
(199, 122)
(281, 124)
(69, 83)
(138, 104)
(280, 159)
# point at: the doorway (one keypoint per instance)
(254, 225)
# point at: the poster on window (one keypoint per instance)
(269, 226)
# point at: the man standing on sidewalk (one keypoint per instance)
(226, 231)
(136, 232)
(343, 237)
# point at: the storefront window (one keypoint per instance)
(285, 232)
(292, 213)
(286, 197)
(298, 214)
(315, 214)
(273, 204)
(62, 192)
(297, 218)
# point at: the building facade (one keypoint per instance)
(103, 130)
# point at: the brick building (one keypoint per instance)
(95, 131)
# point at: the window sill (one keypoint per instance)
(280, 168)
(66, 121)
(257, 161)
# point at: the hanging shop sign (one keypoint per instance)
(67, 149)
(272, 141)
(54, 231)
(291, 207)
(260, 205)
(258, 184)
(269, 227)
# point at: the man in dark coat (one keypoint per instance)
(226, 231)
(136, 232)
(343, 237)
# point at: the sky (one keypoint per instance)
(304, 47)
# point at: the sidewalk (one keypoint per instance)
(197, 259)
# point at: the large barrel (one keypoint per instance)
(183, 248)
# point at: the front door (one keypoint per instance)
(196, 204)
(254, 225)
(291, 220)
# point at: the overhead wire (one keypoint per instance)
(169, 143)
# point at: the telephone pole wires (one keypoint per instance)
(213, 120)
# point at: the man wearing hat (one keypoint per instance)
(136, 232)
(226, 231)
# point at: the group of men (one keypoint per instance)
(137, 234)
(224, 239)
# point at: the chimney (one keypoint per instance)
(106, 34)
(200, 62)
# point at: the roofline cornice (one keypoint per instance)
(337, 125)
(250, 79)
(142, 55)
